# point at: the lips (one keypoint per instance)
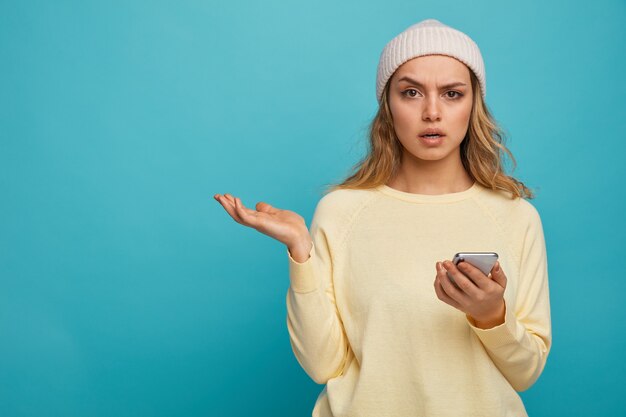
(432, 138)
(431, 133)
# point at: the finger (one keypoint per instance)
(451, 289)
(441, 294)
(227, 199)
(233, 200)
(246, 210)
(464, 283)
(224, 201)
(498, 275)
(247, 215)
(230, 208)
(230, 198)
(266, 208)
(475, 274)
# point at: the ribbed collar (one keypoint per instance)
(428, 198)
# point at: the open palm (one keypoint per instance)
(283, 225)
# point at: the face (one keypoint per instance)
(422, 96)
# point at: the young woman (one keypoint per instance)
(375, 309)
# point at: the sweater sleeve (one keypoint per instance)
(519, 347)
(316, 332)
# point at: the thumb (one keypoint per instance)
(498, 275)
(266, 208)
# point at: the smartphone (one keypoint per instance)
(481, 260)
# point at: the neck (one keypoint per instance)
(431, 177)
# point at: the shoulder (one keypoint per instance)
(517, 218)
(504, 208)
(344, 202)
(338, 208)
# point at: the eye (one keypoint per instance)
(405, 92)
(411, 92)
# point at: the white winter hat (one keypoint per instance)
(429, 37)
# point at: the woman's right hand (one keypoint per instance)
(285, 226)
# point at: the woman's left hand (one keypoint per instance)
(477, 295)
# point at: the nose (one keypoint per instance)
(431, 109)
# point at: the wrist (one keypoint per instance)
(300, 240)
(300, 249)
(493, 320)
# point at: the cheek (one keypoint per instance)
(404, 118)
(465, 110)
(460, 117)
(402, 122)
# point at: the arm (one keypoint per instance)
(519, 347)
(316, 332)
(315, 329)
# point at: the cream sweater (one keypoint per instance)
(364, 319)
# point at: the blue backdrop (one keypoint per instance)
(126, 290)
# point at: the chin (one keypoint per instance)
(430, 155)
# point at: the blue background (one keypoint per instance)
(126, 290)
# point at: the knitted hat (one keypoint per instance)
(429, 37)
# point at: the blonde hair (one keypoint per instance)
(482, 151)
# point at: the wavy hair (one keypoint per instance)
(483, 151)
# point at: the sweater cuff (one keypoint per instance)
(302, 275)
(500, 335)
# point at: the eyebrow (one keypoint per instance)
(417, 83)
